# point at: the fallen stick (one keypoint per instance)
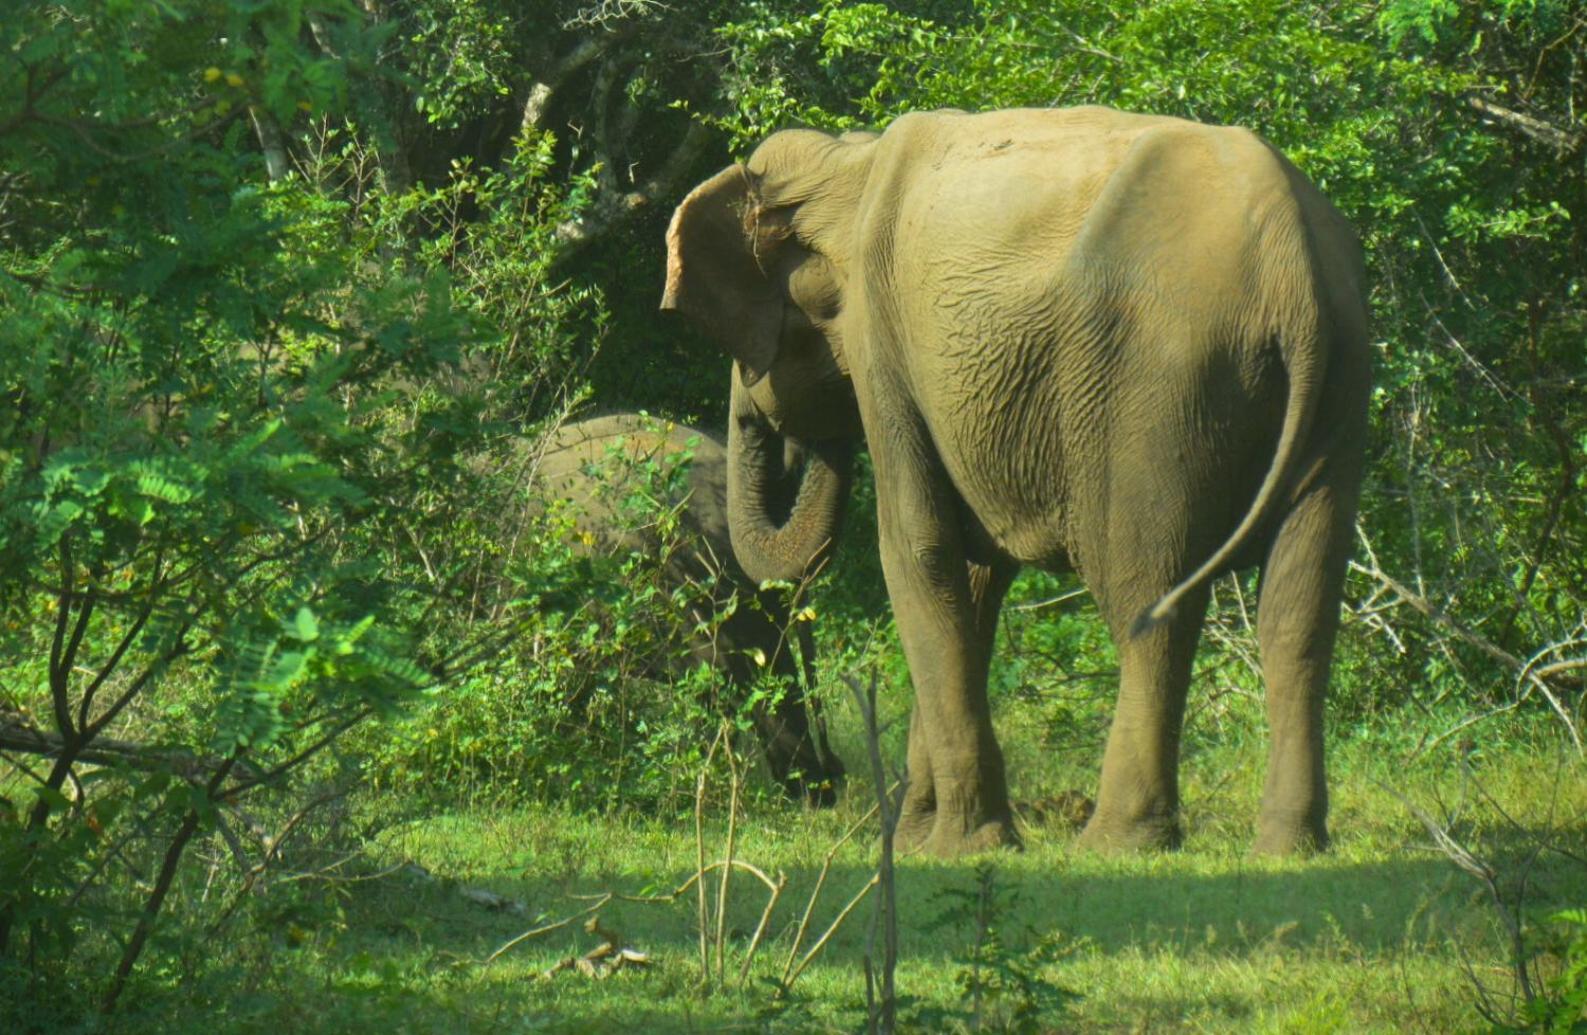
(544, 929)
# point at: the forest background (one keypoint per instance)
(283, 284)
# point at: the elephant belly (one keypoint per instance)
(1021, 513)
(1006, 458)
(1008, 381)
(1068, 429)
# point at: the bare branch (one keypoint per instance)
(815, 893)
(156, 899)
(85, 706)
(1430, 610)
(542, 90)
(271, 142)
(1564, 143)
(150, 671)
(545, 929)
(60, 661)
(351, 719)
(614, 208)
(883, 1014)
(104, 751)
(727, 870)
(699, 854)
(1528, 671)
(837, 921)
(605, 13)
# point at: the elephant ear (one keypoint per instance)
(715, 274)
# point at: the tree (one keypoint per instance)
(215, 415)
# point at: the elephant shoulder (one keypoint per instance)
(1228, 158)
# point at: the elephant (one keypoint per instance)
(595, 466)
(1126, 346)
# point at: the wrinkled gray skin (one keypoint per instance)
(1127, 346)
(577, 464)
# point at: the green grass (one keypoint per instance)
(1381, 934)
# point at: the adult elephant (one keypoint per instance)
(1129, 346)
(598, 468)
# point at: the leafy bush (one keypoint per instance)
(1562, 1008)
(230, 415)
(596, 701)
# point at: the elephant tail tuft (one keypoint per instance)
(1155, 615)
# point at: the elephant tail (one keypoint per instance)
(1305, 358)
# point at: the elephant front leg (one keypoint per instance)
(796, 759)
(957, 797)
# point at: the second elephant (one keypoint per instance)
(601, 468)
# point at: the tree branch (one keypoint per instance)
(85, 706)
(60, 663)
(1565, 143)
(541, 91)
(105, 751)
(152, 669)
(162, 885)
(614, 208)
(1529, 673)
(271, 142)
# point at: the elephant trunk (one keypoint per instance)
(774, 538)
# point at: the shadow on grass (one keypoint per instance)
(1138, 905)
(409, 956)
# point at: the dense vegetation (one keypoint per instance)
(284, 285)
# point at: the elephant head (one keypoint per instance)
(756, 257)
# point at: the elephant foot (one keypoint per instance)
(1108, 835)
(1290, 836)
(914, 827)
(946, 835)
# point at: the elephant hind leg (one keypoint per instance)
(1138, 797)
(1297, 619)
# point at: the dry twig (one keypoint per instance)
(545, 929)
(815, 895)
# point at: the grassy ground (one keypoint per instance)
(1381, 934)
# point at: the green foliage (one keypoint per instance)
(493, 231)
(1000, 989)
(1561, 1009)
(225, 416)
(462, 57)
(601, 701)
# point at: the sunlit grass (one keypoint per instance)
(1380, 934)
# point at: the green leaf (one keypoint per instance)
(304, 626)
